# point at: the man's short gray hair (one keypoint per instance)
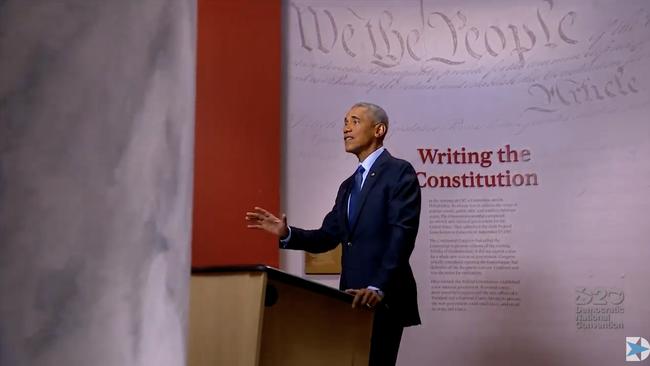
(377, 113)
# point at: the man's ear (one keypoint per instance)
(380, 130)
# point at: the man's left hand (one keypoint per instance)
(364, 297)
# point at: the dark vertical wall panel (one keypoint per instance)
(237, 129)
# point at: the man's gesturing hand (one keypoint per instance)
(364, 297)
(262, 219)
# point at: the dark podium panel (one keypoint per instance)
(258, 315)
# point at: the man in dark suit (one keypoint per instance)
(375, 217)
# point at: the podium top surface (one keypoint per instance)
(276, 275)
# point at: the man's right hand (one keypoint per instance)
(262, 219)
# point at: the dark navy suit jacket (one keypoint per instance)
(376, 249)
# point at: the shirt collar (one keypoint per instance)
(370, 160)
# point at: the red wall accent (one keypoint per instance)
(237, 153)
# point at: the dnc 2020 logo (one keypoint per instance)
(636, 349)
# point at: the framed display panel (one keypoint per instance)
(324, 263)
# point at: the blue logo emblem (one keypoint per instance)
(636, 349)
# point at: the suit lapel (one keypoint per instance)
(343, 211)
(371, 179)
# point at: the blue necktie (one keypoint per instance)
(354, 195)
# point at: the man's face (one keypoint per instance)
(360, 134)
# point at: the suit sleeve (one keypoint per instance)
(321, 240)
(404, 218)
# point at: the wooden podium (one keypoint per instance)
(258, 315)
